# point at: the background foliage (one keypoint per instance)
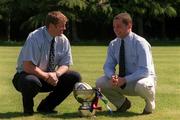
(91, 19)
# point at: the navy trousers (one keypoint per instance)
(30, 85)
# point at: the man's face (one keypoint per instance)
(59, 28)
(121, 30)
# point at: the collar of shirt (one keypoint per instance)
(48, 36)
(128, 37)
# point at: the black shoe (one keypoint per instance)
(146, 112)
(28, 112)
(125, 106)
(47, 111)
(45, 108)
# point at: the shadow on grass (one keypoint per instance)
(125, 114)
(72, 115)
(98, 114)
(9, 115)
(64, 115)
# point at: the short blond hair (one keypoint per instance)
(125, 17)
(55, 17)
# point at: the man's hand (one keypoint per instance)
(117, 81)
(114, 80)
(52, 79)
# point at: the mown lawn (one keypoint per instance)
(88, 60)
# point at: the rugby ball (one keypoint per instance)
(82, 86)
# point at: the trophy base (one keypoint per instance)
(86, 112)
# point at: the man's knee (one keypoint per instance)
(102, 82)
(72, 75)
(145, 89)
(29, 84)
(98, 83)
(76, 76)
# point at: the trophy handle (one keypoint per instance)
(94, 104)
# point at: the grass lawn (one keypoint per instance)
(88, 60)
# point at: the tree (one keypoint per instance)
(76, 10)
(82, 10)
(30, 14)
(6, 7)
(145, 8)
(72, 8)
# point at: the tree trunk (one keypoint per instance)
(9, 29)
(74, 31)
(140, 25)
(163, 30)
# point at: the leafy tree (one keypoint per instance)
(72, 8)
(85, 10)
(6, 8)
(99, 12)
(145, 8)
(76, 10)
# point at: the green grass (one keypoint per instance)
(88, 60)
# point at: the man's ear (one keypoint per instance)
(50, 26)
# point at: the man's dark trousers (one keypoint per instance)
(30, 86)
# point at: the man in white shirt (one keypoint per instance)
(43, 66)
(136, 69)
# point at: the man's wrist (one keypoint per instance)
(58, 74)
(46, 77)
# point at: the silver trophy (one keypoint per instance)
(87, 98)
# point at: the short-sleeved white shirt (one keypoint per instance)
(37, 47)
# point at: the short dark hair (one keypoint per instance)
(55, 17)
(125, 17)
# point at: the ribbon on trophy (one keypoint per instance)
(99, 95)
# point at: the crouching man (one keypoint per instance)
(136, 69)
(43, 66)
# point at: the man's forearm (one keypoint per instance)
(138, 74)
(61, 70)
(30, 68)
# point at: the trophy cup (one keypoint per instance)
(88, 101)
(88, 97)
